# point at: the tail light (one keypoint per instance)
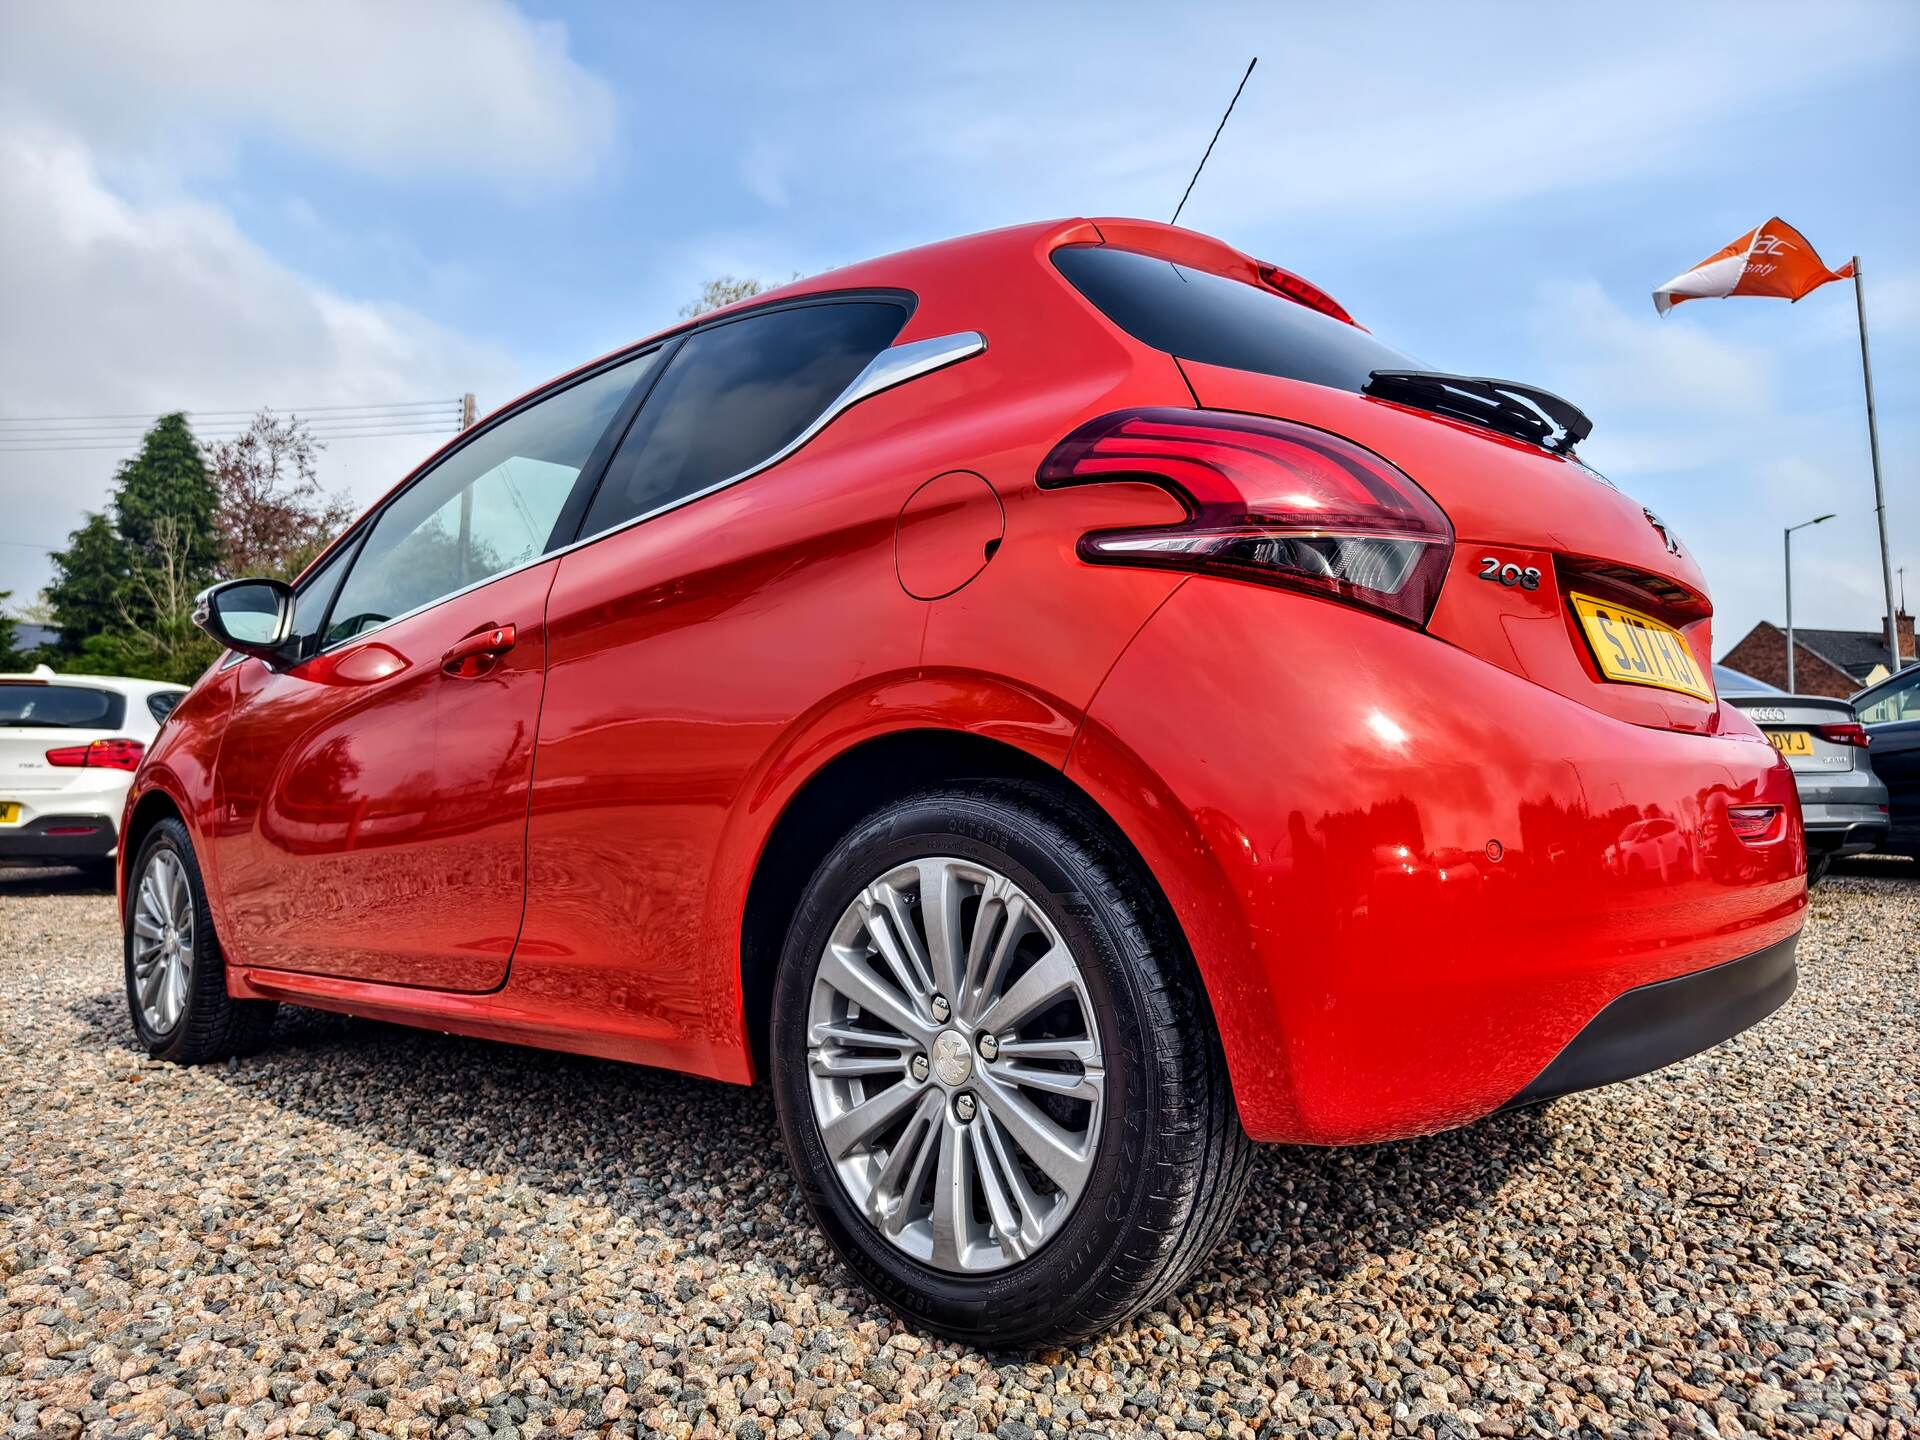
(1753, 822)
(1267, 500)
(1847, 732)
(100, 755)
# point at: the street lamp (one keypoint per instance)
(1788, 534)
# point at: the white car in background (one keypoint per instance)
(69, 745)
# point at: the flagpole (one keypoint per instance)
(1879, 492)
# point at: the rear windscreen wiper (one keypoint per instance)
(1525, 412)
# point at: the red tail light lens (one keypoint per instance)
(100, 755)
(1285, 282)
(1267, 500)
(1847, 732)
(1754, 822)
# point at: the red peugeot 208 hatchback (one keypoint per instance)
(1063, 704)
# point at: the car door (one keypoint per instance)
(372, 798)
(721, 599)
(1891, 713)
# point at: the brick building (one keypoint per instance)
(1825, 662)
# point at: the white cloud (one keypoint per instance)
(1621, 362)
(115, 306)
(764, 171)
(432, 86)
(1706, 430)
(1407, 117)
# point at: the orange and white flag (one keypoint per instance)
(1771, 259)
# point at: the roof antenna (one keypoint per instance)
(1216, 135)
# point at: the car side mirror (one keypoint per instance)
(253, 617)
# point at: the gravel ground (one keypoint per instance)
(369, 1230)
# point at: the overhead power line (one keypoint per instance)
(203, 432)
(128, 445)
(50, 434)
(149, 418)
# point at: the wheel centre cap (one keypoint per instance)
(952, 1057)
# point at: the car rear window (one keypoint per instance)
(160, 703)
(1200, 316)
(736, 394)
(60, 707)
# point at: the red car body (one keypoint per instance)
(1386, 842)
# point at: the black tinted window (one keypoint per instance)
(310, 601)
(61, 707)
(736, 394)
(1217, 321)
(161, 702)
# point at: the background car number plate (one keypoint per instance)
(9, 812)
(1791, 742)
(1637, 649)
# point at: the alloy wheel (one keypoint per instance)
(955, 1065)
(162, 941)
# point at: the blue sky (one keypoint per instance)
(221, 208)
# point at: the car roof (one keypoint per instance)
(1729, 681)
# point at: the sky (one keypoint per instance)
(216, 208)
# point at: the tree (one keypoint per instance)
(274, 517)
(725, 290)
(11, 655)
(123, 590)
(89, 577)
(168, 482)
(721, 292)
(154, 636)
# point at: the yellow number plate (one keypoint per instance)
(1791, 742)
(9, 812)
(1637, 649)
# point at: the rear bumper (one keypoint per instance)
(1835, 830)
(1410, 878)
(1652, 1026)
(60, 837)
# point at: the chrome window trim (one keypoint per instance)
(893, 366)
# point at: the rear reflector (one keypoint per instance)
(1846, 732)
(1753, 822)
(1266, 500)
(118, 754)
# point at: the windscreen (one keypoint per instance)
(1200, 316)
(60, 707)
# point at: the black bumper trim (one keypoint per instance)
(1858, 837)
(32, 842)
(1655, 1025)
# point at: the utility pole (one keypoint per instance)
(1879, 493)
(1788, 538)
(467, 416)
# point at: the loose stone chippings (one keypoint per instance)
(367, 1230)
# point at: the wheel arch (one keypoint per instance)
(155, 805)
(853, 784)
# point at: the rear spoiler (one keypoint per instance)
(1525, 412)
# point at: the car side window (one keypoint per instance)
(486, 508)
(316, 591)
(1898, 702)
(734, 396)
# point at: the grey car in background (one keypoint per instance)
(1891, 713)
(1842, 802)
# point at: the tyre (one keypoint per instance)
(176, 977)
(996, 1074)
